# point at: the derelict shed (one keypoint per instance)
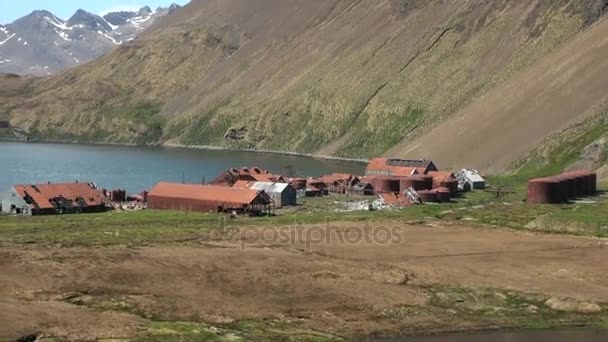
(282, 194)
(207, 198)
(470, 180)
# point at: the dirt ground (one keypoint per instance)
(333, 286)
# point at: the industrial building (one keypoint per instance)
(339, 182)
(253, 174)
(361, 189)
(49, 199)
(282, 194)
(399, 167)
(444, 179)
(207, 198)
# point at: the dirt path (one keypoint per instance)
(331, 286)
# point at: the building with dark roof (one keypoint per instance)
(48, 199)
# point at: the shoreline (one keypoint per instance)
(198, 147)
(285, 153)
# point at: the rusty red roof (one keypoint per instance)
(442, 176)
(243, 184)
(336, 177)
(381, 164)
(210, 193)
(44, 194)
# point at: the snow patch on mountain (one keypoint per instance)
(7, 39)
(42, 43)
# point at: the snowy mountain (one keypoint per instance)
(41, 43)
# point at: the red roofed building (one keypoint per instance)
(339, 182)
(207, 198)
(444, 179)
(47, 199)
(398, 167)
(253, 174)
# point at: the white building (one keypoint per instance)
(469, 179)
(283, 194)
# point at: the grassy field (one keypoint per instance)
(150, 226)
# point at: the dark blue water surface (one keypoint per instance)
(139, 168)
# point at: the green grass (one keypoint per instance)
(184, 332)
(161, 227)
(564, 151)
(492, 307)
(132, 228)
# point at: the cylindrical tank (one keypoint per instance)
(444, 195)
(587, 182)
(144, 196)
(592, 183)
(428, 196)
(550, 190)
(569, 184)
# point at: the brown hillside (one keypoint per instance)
(563, 89)
(341, 77)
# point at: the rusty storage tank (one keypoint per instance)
(387, 184)
(428, 196)
(588, 182)
(549, 190)
(592, 183)
(444, 195)
(144, 196)
(569, 184)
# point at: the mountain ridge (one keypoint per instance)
(41, 43)
(341, 78)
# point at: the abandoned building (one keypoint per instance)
(444, 179)
(282, 194)
(339, 182)
(469, 180)
(208, 198)
(361, 189)
(399, 167)
(253, 174)
(49, 199)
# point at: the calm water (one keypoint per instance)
(138, 168)
(516, 336)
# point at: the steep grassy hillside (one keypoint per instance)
(347, 78)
